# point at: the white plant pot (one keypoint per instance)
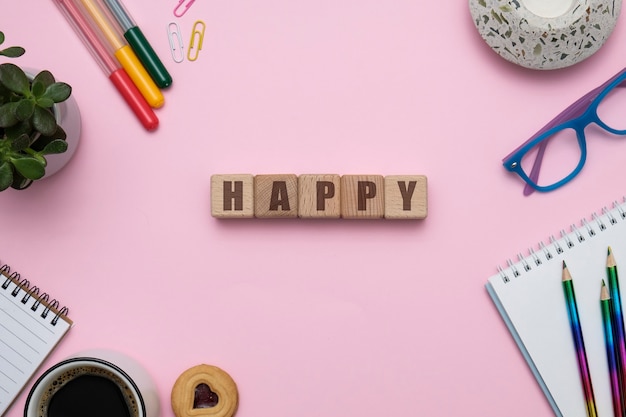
(67, 115)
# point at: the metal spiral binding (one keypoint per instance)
(568, 240)
(31, 292)
(5, 270)
(512, 268)
(535, 257)
(24, 283)
(34, 291)
(566, 237)
(607, 212)
(42, 299)
(523, 262)
(620, 210)
(546, 251)
(589, 229)
(504, 277)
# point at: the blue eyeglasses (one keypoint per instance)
(556, 153)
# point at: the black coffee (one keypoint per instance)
(88, 391)
(88, 395)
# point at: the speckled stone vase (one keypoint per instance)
(539, 42)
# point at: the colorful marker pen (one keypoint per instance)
(136, 39)
(109, 65)
(124, 53)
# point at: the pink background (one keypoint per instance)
(310, 318)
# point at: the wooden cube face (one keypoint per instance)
(276, 196)
(232, 196)
(362, 196)
(319, 196)
(406, 197)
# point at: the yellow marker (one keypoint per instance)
(140, 76)
(124, 53)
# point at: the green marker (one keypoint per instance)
(140, 45)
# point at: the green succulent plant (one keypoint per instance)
(28, 128)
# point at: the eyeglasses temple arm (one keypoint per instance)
(574, 110)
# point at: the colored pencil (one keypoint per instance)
(579, 344)
(619, 336)
(611, 354)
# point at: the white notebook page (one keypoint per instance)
(26, 338)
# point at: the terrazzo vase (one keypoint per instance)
(537, 40)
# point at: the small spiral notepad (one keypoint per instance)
(529, 295)
(31, 325)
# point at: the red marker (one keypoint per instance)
(84, 28)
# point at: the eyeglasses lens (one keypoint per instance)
(560, 154)
(612, 108)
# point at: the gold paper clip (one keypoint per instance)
(199, 34)
(176, 42)
(186, 3)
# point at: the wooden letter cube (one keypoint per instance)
(406, 197)
(319, 196)
(362, 196)
(276, 196)
(232, 196)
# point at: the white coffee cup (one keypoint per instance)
(120, 368)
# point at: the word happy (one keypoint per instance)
(319, 196)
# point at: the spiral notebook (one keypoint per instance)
(528, 293)
(31, 325)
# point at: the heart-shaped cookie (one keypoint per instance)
(204, 391)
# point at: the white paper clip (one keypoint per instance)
(196, 34)
(186, 4)
(176, 42)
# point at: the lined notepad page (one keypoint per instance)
(26, 338)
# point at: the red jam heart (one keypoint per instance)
(204, 397)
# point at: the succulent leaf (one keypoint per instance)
(58, 92)
(44, 121)
(13, 51)
(20, 143)
(7, 115)
(6, 175)
(14, 78)
(38, 88)
(54, 147)
(19, 128)
(45, 77)
(45, 102)
(29, 167)
(24, 109)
